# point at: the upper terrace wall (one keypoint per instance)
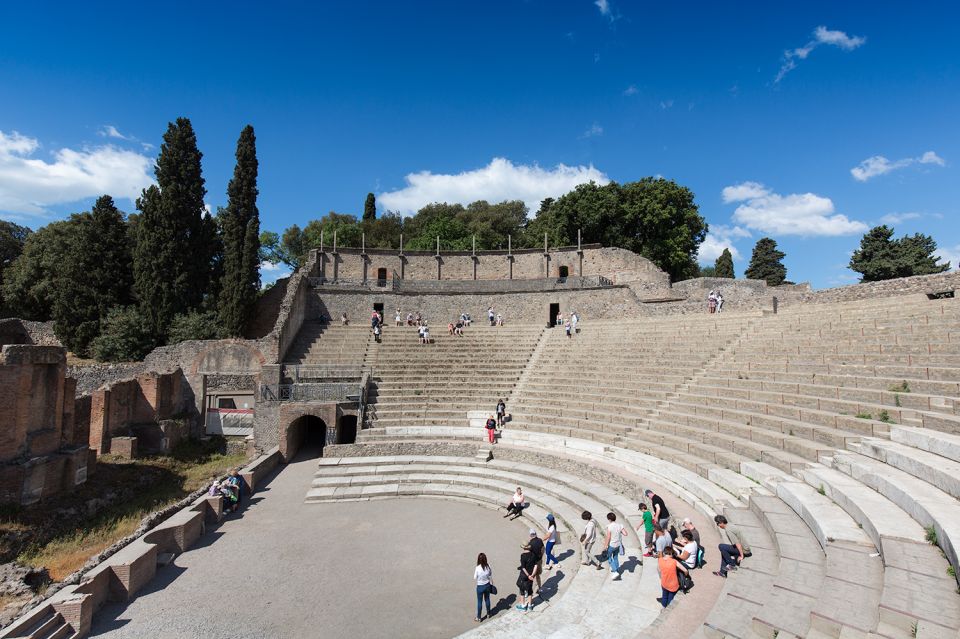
(616, 264)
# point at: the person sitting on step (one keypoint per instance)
(733, 552)
(515, 507)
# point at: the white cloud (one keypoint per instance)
(604, 6)
(821, 35)
(270, 272)
(897, 218)
(594, 131)
(110, 131)
(666, 104)
(949, 254)
(631, 90)
(720, 237)
(29, 185)
(879, 165)
(498, 181)
(805, 214)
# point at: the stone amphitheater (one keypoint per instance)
(824, 424)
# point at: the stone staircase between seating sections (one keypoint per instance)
(829, 433)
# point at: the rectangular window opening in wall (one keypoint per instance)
(563, 272)
(942, 295)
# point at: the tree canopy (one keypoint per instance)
(766, 263)
(370, 208)
(880, 257)
(724, 265)
(12, 238)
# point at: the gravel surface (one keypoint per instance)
(392, 568)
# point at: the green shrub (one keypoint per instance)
(884, 417)
(193, 325)
(931, 535)
(125, 336)
(902, 387)
(864, 415)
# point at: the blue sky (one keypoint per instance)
(806, 122)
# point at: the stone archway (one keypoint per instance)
(307, 433)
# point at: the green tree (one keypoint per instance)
(370, 208)
(194, 325)
(93, 276)
(766, 263)
(241, 240)
(724, 265)
(708, 271)
(172, 258)
(126, 335)
(29, 282)
(880, 257)
(384, 232)
(443, 220)
(12, 238)
(654, 217)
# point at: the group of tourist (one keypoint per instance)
(495, 319)
(492, 424)
(230, 489)
(677, 554)
(715, 302)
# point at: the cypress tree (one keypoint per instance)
(94, 276)
(172, 256)
(241, 240)
(724, 265)
(766, 264)
(370, 208)
(880, 257)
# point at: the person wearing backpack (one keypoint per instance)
(669, 570)
(491, 427)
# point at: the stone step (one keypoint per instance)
(938, 443)
(942, 472)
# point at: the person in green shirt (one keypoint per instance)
(647, 530)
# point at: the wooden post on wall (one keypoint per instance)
(510, 254)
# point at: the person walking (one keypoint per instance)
(575, 321)
(483, 575)
(647, 530)
(719, 302)
(529, 571)
(661, 514)
(588, 539)
(613, 544)
(536, 546)
(551, 538)
(734, 551)
(376, 333)
(568, 327)
(501, 412)
(399, 318)
(491, 315)
(667, 566)
(491, 430)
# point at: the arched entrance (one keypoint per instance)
(306, 434)
(347, 434)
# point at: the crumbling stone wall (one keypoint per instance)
(18, 331)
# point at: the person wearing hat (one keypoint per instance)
(529, 571)
(551, 538)
(536, 547)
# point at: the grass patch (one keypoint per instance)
(862, 415)
(821, 490)
(931, 535)
(896, 400)
(139, 487)
(902, 387)
(884, 417)
(952, 572)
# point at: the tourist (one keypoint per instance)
(343, 319)
(450, 328)
(712, 302)
(529, 571)
(662, 540)
(613, 544)
(501, 412)
(376, 333)
(458, 328)
(588, 538)
(575, 322)
(550, 538)
(491, 427)
(466, 319)
(668, 567)
(536, 546)
(660, 513)
(420, 332)
(375, 319)
(499, 319)
(410, 319)
(559, 319)
(426, 333)
(732, 552)
(719, 302)
(568, 327)
(399, 318)
(515, 507)
(688, 553)
(491, 316)
(688, 525)
(483, 574)
(647, 530)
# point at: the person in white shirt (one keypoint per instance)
(688, 554)
(588, 538)
(515, 507)
(483, 574)
(613, 544)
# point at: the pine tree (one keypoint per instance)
(370, 208)
(241, 240)
(93, 277)
(880, 257)
(172, 256)
(724, 265)
(766, 263)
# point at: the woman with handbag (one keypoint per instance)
(669, 569)
(483, 575)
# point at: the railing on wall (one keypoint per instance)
(503, 286)
(299, 373)
(348, 284)
(329, 392)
